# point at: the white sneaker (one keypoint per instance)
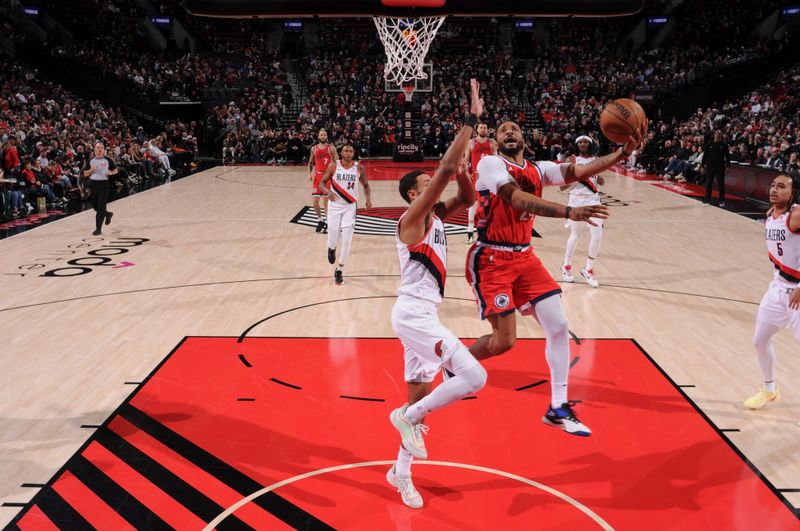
(405, 487)
(410, 434)
(566, 273)
(588, 274)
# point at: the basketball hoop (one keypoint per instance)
(406, 41)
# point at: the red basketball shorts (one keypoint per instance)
(504, 281)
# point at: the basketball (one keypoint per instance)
(620, 118)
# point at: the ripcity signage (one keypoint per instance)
(95, 252)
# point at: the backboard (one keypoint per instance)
(413, 8)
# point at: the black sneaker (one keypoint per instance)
(565, 418)
(109, 215)
(324, 227)
(337, 277)
(331, 256)
(97, 232)
(319, 226)
(470, 237)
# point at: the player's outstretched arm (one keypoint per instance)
(413, 226)
(463, 199)
(326, 178)
(525, 202)
(362, 177)
(573, 172)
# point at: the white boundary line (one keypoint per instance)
(578, 505)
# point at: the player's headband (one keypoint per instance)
(584, 137)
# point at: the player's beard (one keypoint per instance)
(511, 152)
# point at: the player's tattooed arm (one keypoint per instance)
(525, 202)
(333, 152)
(362, 177)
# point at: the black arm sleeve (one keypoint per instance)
(111, 164)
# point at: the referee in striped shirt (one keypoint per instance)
(97, 170)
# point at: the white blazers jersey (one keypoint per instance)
(783, 246)
(344, 182)
(587, 191)
(423, 266)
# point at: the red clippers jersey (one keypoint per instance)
(480, 150)
(322, 157)
(497, 222)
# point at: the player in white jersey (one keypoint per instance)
(340, 184)
(583, 193)
(428, 345)
(780, 306)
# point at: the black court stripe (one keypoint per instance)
(120, 500)
(62, 514)
(281, 508)
(191, 498)
(534, 384)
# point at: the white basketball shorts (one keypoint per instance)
(774, 308)
(428, 344)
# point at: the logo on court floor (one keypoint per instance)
(91, 253)
(382, 221)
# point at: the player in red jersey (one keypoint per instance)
(322, 154)
(478, 147)
(505, 274)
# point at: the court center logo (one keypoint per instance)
(382, 221)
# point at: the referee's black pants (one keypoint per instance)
(100, 191)
(715, 173)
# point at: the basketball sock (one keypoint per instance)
(471, 217)
(347, 240)
(594, 245)
(762, 340)
(402, 467)
(451, 390)
(551, 316)
(572, 242)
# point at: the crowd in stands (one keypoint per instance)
(760, 128)
(47, 138)
(554, 84)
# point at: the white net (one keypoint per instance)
(406, 41)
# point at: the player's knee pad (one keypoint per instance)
(475, 378)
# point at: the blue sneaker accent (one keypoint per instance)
(566, 419)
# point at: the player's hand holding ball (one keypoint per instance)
(623, 121)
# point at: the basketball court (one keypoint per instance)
(197, 366)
